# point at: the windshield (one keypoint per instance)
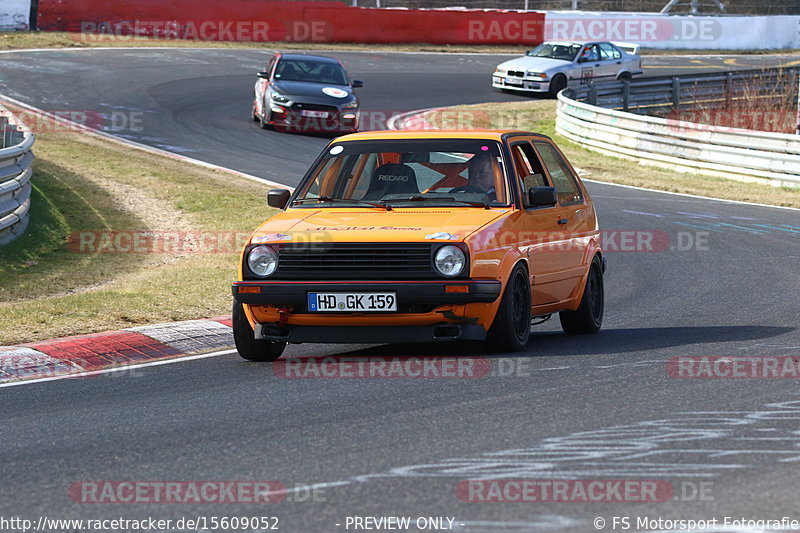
(565, 51)
(426, 173)
(310, 71)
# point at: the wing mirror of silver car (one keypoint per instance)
(264, 75)
(278, 198)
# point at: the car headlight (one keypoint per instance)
(262, 261)
(449, 261)
(540, 75)
(499, 70)
(350, 105)
(279, 98)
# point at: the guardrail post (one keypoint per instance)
(728, 90)
(593, 94)
(676, 92)
(626, 94)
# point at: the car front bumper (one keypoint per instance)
(521, 84)
(294, 294)
(341, 121)
(438, 315)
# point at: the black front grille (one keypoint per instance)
(355, 261)
(314, 107)
(517, 73)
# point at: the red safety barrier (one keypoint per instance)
(265, 20)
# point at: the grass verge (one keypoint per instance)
(51, 286)
(540, 116)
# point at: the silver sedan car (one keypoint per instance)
(554, 65)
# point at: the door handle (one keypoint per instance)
(563, 221)
(619, 62)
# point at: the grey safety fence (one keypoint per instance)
(16, 160)
(776, 88)
(594, 117)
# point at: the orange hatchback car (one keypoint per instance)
(423, 236)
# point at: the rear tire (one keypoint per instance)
(589, 316)
(558, 83)
(512, 325)
(246, 343)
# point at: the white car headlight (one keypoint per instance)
(262, 261)
(540, 75)
(499, 70)
(449, 261)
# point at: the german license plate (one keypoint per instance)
(314, 114)
(352, 302)
(514, 82)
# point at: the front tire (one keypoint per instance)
(512, 325)
(589, 316)
(247, 345)
(558, 83)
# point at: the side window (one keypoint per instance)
(529, 171)
(608, 52)
(563, 180)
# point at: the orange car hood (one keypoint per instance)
(374, 225)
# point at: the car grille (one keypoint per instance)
(517, 73)
(314, 107)
(354, 261)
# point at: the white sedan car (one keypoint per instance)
(554, 65)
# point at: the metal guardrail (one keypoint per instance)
(676, 93)
(745, 155)
(16, 160)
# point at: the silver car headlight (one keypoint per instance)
(275, 97)
(262, 261)
(449, 261)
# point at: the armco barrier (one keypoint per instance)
(298, 21)
(746, 155)
(16, 159)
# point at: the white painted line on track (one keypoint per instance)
(125, 368)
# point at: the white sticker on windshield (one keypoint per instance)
(336, 93)
(336, 150)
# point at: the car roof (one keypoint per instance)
(496, 135)
(322, 59)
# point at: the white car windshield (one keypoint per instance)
(565, 52)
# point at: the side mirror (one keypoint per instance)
(264, 75)
(278, 198)
(542, 196)
(357, 84)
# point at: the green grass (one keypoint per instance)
(539, 116)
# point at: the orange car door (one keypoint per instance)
(578, 221)
(538, 231)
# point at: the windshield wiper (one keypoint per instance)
(418, 198)
(341, 200)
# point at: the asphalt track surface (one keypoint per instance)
(588, 407)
